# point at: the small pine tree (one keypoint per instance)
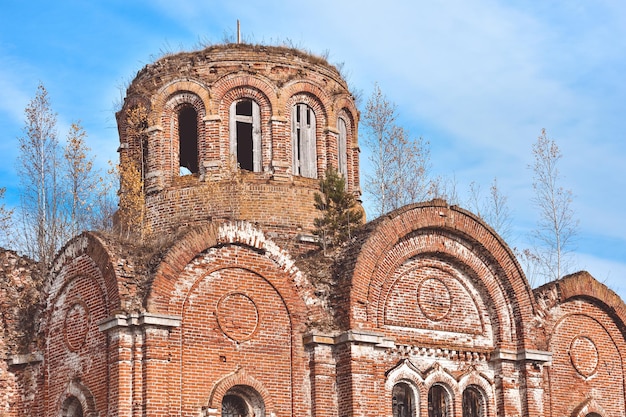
(341, 215)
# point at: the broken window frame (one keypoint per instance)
(304, 140)
(473, 402)
(439, 401)
(252, 120)
(403, 402)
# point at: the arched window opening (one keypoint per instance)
(72, 408)
(242, 401)
(304, 141)
(342, 148)
(473, 403)
(593, 415)
(403, 401)
(245, 134)
(438, 402)
(188, 140)
(234, 406)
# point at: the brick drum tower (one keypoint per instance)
(230, 309)
(239, 133)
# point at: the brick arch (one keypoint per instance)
(580, 318)
(442, 252)
(70, 263)
(261, 88)
(249, 92)
(386, 237)
(295, 91)
(587, 407)
(198, 240)
(84, 396)
(164, 147)
(437, 375)
(583, 285)
(483, 385)
(403, 371)
(346, 104)
(239, 377)
(164, 94)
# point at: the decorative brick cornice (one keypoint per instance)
(350, 336)
(139, 320)
(529, 355)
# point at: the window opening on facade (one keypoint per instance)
(342, 148)
(188, 140)
(438, 401)
(245, 134)
(402, 401)
(72, 408)
(473, 403)
(234, 406)
(304, 141)
(242, 401)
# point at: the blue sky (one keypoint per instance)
(478, 79)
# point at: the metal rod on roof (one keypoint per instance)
(238, 32)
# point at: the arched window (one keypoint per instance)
(245, 134)
(403, 400)
(188, 140)
(438, 402)
(303, 141)
(234, 406)
(242, 401)
(342, 148)
(72, 408)
(473, 403)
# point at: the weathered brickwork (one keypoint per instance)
(231, 310)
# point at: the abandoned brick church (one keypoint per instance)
(426, 312)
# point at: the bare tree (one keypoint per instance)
(492, 208)
(38, 164)
(6, 222)
(132, 203)
(105, 200)
(401, 163)
(444, 187)
(557, 227)
(81, 181)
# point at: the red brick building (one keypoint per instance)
(229, 309)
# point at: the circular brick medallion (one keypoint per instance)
(584, 355)
(434, 299)
(237, 316)
(76, 325)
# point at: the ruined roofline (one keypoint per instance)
(222, 53)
